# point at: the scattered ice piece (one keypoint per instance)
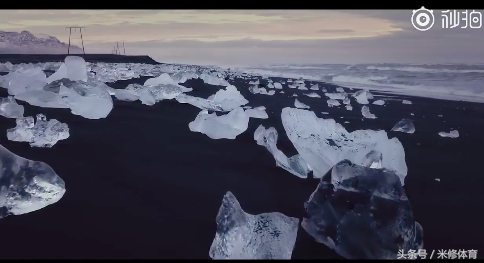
(406, 102)
(339, 89)
(126, 95)
(366, 113)
(323, 112)
(362, 96)
(440, 116)
(147, 98)
(346, 101)
(323, 143)
(412, 114)
(10, 109)
(42, 98)
(302, 87)
(332, 103)
(257, 113)
(241, 235)
(230, 98)
(314, 87)
(324, 90)
(76, 68)
(201, 103)
(313, 95)
(163, 79)
(437, 179)
(362, 213)
(254, 82)
(260, 108)
(405, 125)
(270, 86)
(451, 134)
(277, 85)
(88, 100)
(349, 107)
(346, 122)
(183, 76)
(27, 185)
(300, 105)
(379, 102)
(268, 138)
(336, 96)
(213, 80)
(294, 95)
(43, 134)
(373, 160)
(281, 91)
(226, 126)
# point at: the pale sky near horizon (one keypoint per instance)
(242, 37)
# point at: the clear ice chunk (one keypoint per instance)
(213, 80)
(314, 87)
(257, 113)
(405, 125)
(300, 105)
(200, 103)
(240, 235)
(362, 213)
(61, 73)
(230, 98)
(349, 107)
(76, 68)
(406, 102)
(88, 100)
(126, 95)
(451, 134)
(10, 109)
(336, 96)
(323, 143)
(373, 160)
(41, 134)
(296, 165)
(365, 111)
(333, 103)
(362, 96)
(227, 126)
(42, 98)
(277, 85)
(313, 95)
(24, 80)
(27, 185)
(379, 102)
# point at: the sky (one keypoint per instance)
(258, 37)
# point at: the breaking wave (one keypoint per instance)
(427, 70)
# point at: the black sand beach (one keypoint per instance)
(140, 184)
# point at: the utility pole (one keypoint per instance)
(124, 49)
(117, 46)
(70, 34)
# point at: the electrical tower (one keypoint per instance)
(116, 49)
(70, 36)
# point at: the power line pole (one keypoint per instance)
(124, 49)
(70, 34)
(117, 46)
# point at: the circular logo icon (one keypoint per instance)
(422, 19)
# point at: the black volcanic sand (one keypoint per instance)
(42, 58)
(140, 184)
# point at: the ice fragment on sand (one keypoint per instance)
(10, 109)
(323, 112)
(226, 126)
(346, 101)
(313, 95)
(88, 100)
(314, 87)
(339, 89)
(24, 80)
(42, 98)
(300, 105)
(126, 95)
(27, 185)
(230, 98)
(41, 134)
(76, 68)
(336, 96)
(323, 143)
(213, 80)
(163, 79)
(379, 102)
(405, 125)
(268, 138)
(277, 85)
(451, 134)
(332, 103)
(373, 160)
(362, 213)
(257, 113)
(241, 235)
(147, 98)
(349, 107)
(365, 111)
(362, 96)
(201, 103)
(406, 102)
(183, 76)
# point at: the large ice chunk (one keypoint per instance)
(88, 100)
(41, 134)
(76, 68)
(28, 79)
(230, 98)
(126, 95)
(405, 125)
(213, 80)
(451, 134)
(362, 213)
(244, 236)
(259, 113)
(61, 73)
(201, 103)
(323, 143)
(226, 126)
(277, 85)
(365, 111)
(27, 185)
(300, 105)
(183, 76)
(362, 96)
(10, 109)
(332, 103)
(42, 98)
(268, 138)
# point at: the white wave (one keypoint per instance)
(357, 80)
(426, 70)
(271, 73)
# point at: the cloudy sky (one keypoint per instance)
(249, 37)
